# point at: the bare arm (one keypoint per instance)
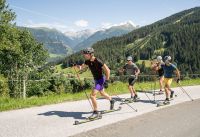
(121, 70)
(137, 72)
(83, 68)
(107, 71)
(177, 72)
(154, 66)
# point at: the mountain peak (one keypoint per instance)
(79, 34)
(128, 23)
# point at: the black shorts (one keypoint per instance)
(131, 81)
(160, 72)
(160, 76)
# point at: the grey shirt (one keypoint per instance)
(130, 69)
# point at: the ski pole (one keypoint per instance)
(154, 90)
(128, 105)
(147, 96)
(184, 91)
(144, 92)
(82, 87)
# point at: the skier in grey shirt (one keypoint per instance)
(132, 70)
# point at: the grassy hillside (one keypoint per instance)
(176, 35)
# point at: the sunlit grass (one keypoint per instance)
(115, 88)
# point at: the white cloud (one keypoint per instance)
(54, 25)
(81, 23)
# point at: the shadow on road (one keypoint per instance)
(148, 101)
(76, 115)
(139, 100)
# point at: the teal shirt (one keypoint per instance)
(168, 70)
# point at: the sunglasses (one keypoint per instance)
(128, 60)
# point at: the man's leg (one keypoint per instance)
(105, 95)
(100, 87)
(166, 81)
(97, 87)
(134, 91)
(95, 113)
(167, 91)
(170, 90)
(93, 98)
(130, 87)
(131, 82)
(161, 82)
(172, 93)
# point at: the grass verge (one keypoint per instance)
(115, 88)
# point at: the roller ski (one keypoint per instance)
(112, 102)
(126, 101)
(158, 93)
(95, 116)
(111, 110)
(86, 120)
(166, 102)
(129, 100)
(135, 98)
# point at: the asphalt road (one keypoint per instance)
(182, 120)
(57, 120)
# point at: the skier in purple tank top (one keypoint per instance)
(97, 67)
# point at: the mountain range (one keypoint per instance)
(59, 43)
(113, 31)
(177, 35)
(54, 41)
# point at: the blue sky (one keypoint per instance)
(74, 15)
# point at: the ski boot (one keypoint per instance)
(95, 115)
(135, 98)
(160, 92)
(166, 102)
(172, 95)
(112, 102)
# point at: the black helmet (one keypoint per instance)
(88, 51)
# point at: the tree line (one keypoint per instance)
(20, 53)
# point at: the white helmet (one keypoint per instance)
(167, 59)
(159, 58)
(129, 58)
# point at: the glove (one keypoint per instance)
(105, 84)
(178, 80)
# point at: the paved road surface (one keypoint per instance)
(182, 120)
(57, 120)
